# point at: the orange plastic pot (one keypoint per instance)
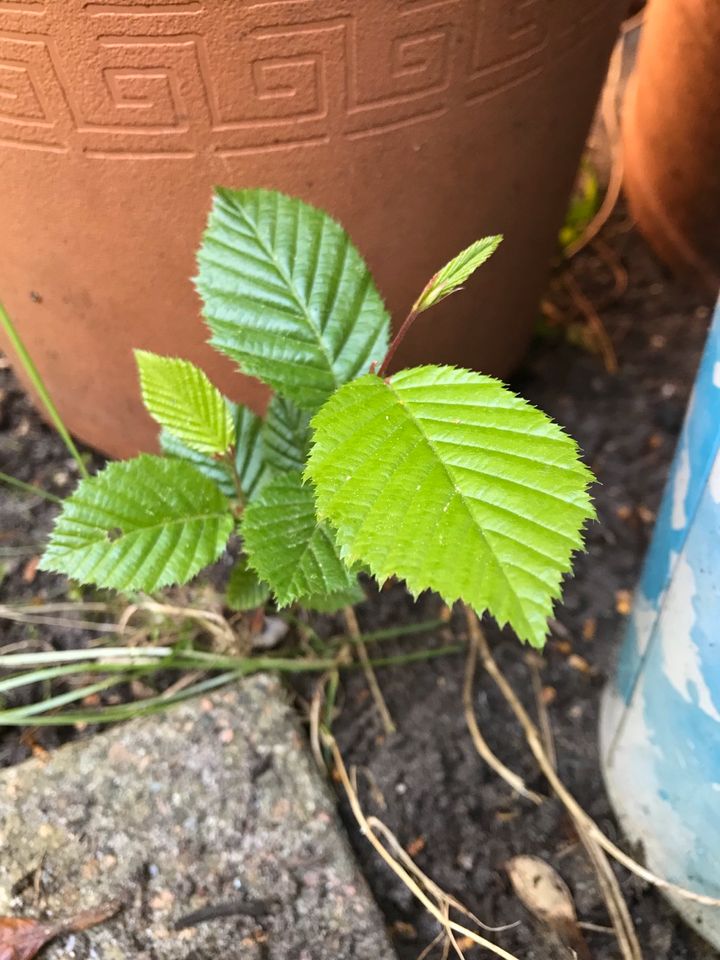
(672, 136)
(420, 124)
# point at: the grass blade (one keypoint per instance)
(28, 487)
(33, 374)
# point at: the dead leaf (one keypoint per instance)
(546, 895)
(22, 938)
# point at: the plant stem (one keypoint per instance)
(28, 487)
(397, 340)
(230, 460)
(34, 376)
(391, 633)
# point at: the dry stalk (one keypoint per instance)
(513, 780)
(439, 911)
(534, 740)
(622, 924)
(372, 681)
(314, 714)
(594, 321)
(213, 622)
(542, 711)
(41, 616)
(611, 122)
(617, 908)
(612, 262)
(440, 895)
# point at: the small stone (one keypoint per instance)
(199, 828)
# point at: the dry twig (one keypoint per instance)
(623, 927)
(372, 681)
(514, 781)
(534, 740)
(594, 321)
(213, 622)
(439, 911)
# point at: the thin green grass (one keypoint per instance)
(33, 375)
(120, 665)
(28, 488)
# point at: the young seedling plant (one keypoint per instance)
(437, 475)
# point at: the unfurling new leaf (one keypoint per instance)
(454, 274)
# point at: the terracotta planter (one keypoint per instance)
(420, 125)
(672, 136)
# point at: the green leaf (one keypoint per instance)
(287, 546)
(245, 591)
(140, 525)
(454, 274)
(181, 398)
(445, 478)
(286, 435)
(287, 296)
(250, 462)
(253, 470)
(216, 470)
(331, 602)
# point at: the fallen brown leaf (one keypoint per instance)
(22, 938)
(546, 895)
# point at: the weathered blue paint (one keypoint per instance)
(660, 727)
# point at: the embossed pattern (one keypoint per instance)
(304, 73)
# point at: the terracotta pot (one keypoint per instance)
(420, 125)
(672, 136)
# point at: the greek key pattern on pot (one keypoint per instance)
(152, 79)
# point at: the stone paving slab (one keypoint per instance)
(213, 803)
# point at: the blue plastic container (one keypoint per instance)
(660, 727)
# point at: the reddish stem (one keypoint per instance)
(397, 340)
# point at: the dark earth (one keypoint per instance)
(428, 784)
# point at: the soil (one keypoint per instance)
(425, 781)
